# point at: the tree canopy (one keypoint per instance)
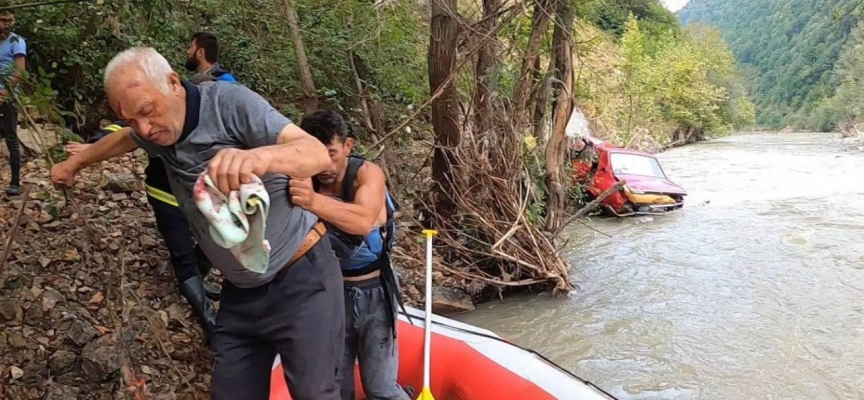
(789, 48)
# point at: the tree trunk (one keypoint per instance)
(539, 27)
(556, 147)
(369, 106)
(444, 31)
(307, 82)
(485, 67)
(540, 101)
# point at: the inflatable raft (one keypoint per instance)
(469, 363)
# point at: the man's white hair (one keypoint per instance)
(155, 67)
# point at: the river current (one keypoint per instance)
(754, 290)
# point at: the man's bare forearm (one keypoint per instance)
(350, 218)
(113, 145)
(299, 158)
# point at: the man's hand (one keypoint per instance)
(232, 167)
(302, 193)
(64, 173)
(74, 148)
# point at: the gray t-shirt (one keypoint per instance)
(233, 116)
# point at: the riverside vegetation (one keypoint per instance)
(466, 105)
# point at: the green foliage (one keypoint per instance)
(847, 102)
(612, 15)
(690, 80)
(791, 45)
(75, 41)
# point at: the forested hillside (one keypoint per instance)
(788, 48)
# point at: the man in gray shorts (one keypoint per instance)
(295, 308)
(351, 197)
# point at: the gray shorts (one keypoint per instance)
(369, 339)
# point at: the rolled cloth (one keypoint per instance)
(238, 221)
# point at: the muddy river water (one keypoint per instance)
(758, 294)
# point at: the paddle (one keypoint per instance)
(426, 394)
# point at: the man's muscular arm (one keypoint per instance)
(358, 217)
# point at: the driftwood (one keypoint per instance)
(15, 222)
(593, 204)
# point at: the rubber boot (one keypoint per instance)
(14, 190)
(204, 267)
(193, 290)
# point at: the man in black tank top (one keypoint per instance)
(351, 197)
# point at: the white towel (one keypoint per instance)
(238, 222)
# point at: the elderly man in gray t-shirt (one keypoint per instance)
(295, 308)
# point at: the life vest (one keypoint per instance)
(354, 251)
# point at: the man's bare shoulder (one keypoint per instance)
(369, 173)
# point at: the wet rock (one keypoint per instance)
(81, 332)
(446, 300)
(62, 361)
(62, 392)
(100, 358)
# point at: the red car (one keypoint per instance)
(600, 165)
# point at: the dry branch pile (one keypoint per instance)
(490, 243)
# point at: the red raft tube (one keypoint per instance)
(470, 363)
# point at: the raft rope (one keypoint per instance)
(532, 351)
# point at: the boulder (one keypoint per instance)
(447, 300)
(62, 361)
(81, 332)
(100, 358)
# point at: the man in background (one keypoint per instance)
(201, 58)
(13, 53)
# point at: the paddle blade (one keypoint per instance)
(426, 394)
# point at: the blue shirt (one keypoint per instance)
(12, 47)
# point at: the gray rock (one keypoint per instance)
(446, 300)
(10, 311)
(120, 183)
(100, 358)
(16, 373)
(50, 298)
(16, 340)
(81, 332)
(147, 241)
(62, 361)
(35, 372)
(62, 392)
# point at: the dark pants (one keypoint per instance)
(298, 315)
(174, 228)
(369, 339)
(9, 131)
